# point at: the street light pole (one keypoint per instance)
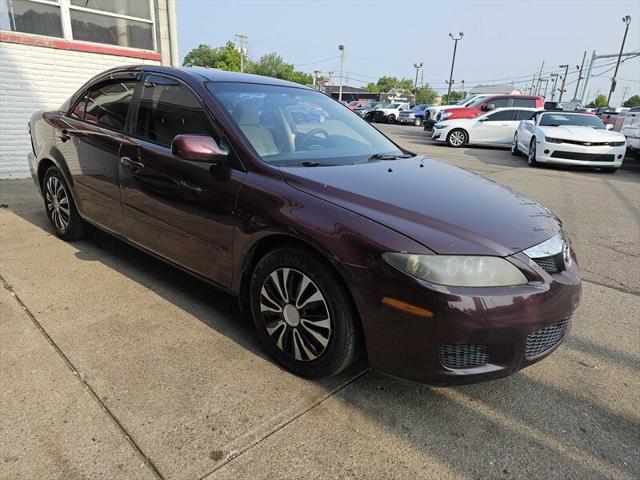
(453, 62)
(564, 79)
(417, 66)
(627, 20)
(341, 48)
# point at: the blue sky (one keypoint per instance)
(502, 39)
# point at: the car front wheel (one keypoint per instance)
(417, 122)
(457, 138)
(531, 157)
(60, 207)
(303, 314)
(391, 119)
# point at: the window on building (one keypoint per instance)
(168, 108)
(108, 104)
(41, 18)
(125, 23)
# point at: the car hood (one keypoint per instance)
(447, 209)
(585, 134)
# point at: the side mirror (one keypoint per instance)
(483, 119)
(609, 126)
(198, 148)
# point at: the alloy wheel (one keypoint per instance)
(531, 157)
(456, 138)
(57, 202)
(295, 313)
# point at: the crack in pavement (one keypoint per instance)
(234, 455)
(147, 460)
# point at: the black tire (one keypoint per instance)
(391, 118)
(280, 334)
(417, 122)
(531, 155)
(514, 147)
(609, 169)
(457, 138)
(60, 208)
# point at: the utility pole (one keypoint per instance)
(575, 95)
(624, 95)
(341, 48)
(546, 85)
(417, 66)
(453, 61)
(627, 20)
(564, 79)
(533, 81)
(539, 86)
(422, 78)
(241, 46)
(555, 83)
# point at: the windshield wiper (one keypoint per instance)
(387, 156)
(310, 164)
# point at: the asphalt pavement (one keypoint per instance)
(115, 365)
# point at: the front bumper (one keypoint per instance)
(579, 155)
(439, 134)
(497, 320)
(404, 119)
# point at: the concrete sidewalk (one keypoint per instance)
(137, 361)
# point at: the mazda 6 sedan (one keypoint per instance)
(340, 243)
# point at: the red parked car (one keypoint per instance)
(339, 242)
(484, 104)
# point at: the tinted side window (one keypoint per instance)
(78, 110)
(499, 102)
(108, 104)
(168, 108)
(524, 102)
(525, 115)
(501, 116)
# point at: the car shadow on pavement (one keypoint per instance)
(518, 427)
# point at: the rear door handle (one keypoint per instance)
(133, 164)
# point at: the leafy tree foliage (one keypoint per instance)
(225, 58)
(599, 102)
(455, 96)
(426, 94)
(386, 84)
(632, 101)
(272, 65)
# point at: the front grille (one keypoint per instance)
(593, 144)
(589, 157)
(552, 264)
(464, 356)
(546, 338)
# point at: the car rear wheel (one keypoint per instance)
(417, 122)
(60, 207)
(391, 118)
(457, 138)
(531, 157)
(514, 146)
(303, 314)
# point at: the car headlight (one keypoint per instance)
(439, 125)
(458, 270)
(445, 114)
(616, 144)
(552, 140)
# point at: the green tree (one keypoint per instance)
(272, 65)
(599, 102)
(201, 56)
(225, 58)
(386, 84)
(426, 94)
(373, 88)
(632, 101)
(455, 96)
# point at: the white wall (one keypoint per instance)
(39, 78)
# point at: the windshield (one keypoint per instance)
(579, 120)
(476, 102)
(419, 108)
(393, 105)
(297, 126)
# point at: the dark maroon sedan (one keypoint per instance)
(337, 240)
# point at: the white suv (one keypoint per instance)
(389, 113)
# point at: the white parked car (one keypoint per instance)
(432, 112)
(631, 130)
(494, 128)
(389, 112)
(568, 138)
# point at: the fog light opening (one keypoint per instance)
(619, 156)
(546, 152)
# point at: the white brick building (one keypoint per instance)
(49, 48)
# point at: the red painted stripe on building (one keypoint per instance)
(48, 42)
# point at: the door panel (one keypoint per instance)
(497, 128)
(180, 209)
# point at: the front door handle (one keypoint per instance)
(64, 135)
(132, 164)
(190, 186)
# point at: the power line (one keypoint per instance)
(316, 62)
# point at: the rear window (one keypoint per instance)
(524, 102)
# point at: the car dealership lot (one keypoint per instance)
(115, 365)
